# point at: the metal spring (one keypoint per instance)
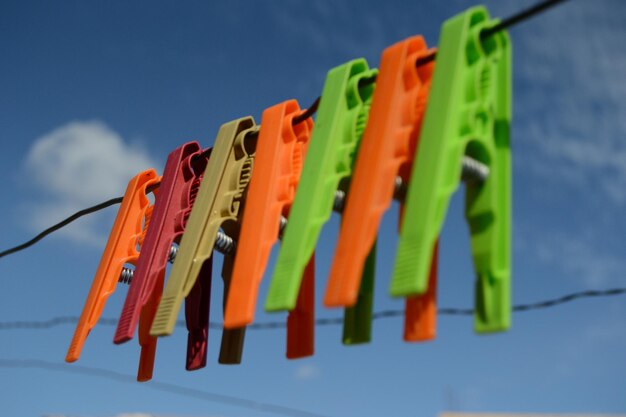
(340, 199)
(126, 277)
(283, 225)
(173, 253)
(472, 171)
(224, 244)
(399, 189)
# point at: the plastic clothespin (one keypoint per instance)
(469, 112)
(179, 185)
(121, 248)
(341, 119)
(278, 164)
(388, 148)
(219, 205)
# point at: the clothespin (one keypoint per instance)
(468, 113)
(341, 119)
(281, 149)
(219, 205)
(121, 248)
(179, 185)
(387, 151)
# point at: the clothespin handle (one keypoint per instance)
(121, 248)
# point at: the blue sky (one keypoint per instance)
(91, 93)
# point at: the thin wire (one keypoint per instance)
(57, 321)
(308, 113)
(61, 224)
(75, 216)
(505, 23)
(159, 386)
(520, 17)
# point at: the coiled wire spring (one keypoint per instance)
(472, 171)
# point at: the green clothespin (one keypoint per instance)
(339, 125)
(468, 113)
(357, 320)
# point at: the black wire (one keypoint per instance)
(520, 17)
(308, 113)
(159, 386)
(568, 298)
(426, 59)
(505, 23)
(56, 321)
(61, 224)
(75, 216)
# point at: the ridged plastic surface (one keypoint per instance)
(175, 198)
(339, 125)
(278, 164)
(277, 168)
(121, 248)
(469, 112)
(218, 205)
(389, 144)
(387, 151)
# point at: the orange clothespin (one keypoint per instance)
(387, 150)
(121, 248)
(281, 148)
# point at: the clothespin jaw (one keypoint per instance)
(218, 205)
(179, 184)
(301, 320)
(468, 113)
(357, 319)
(121, 248)
(277, 168)
(341, 119)
(420, 312)
(386, 151)
(197, 309)
(278, 164)
(231, 345)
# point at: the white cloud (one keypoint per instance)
(569, 113)
(307, 372)
(77, 165)
(594, 335)
(135, 415)
(577, 257)
(121, 415)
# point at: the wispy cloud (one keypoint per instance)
(121, 415)
(76, 165)
(572, 101)
(307, 372)
(576, 255)
(320, 25)
(594, 335)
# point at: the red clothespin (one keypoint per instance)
(179, 186)
(387, 150)
(121, 248)
(280, 153)
(197, 310)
